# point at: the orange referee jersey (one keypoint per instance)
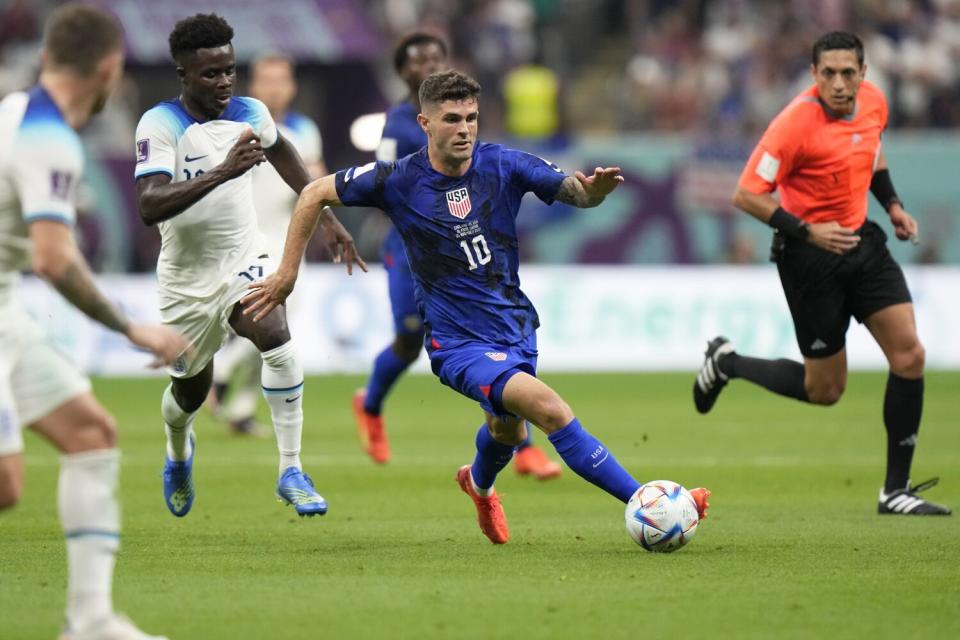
(821, 164)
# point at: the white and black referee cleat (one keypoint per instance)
(904, 502)
(710, 380)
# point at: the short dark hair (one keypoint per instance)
(400, 55)
(200, 31)
(448, 85)
(78, 37)
(837, 40)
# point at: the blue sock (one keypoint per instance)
(592, 461)
(492, 457)
(528, 440)
(387, 368)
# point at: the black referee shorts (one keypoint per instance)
(824, 289)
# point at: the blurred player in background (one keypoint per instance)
(454, 204)
(823, 154)
(193, 179)
(236, 374)
(415, 57)
(41, 161)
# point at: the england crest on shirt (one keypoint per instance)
(458, 202)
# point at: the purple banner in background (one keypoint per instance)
(307, 30)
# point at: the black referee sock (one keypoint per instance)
(902, 408)
(784, 377)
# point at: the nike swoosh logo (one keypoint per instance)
(187, 158)
(602, 460)
(294, 398)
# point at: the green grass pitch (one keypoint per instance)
(793, 547)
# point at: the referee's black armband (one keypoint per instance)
(882, 189)
(789, 224)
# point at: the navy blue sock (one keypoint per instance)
(528, 440)
(590, 460)
(492, 457)
(387, 368)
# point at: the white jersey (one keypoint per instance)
(205, 241)
(41, 161)
(273, 198)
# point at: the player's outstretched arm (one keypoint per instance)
(589, 191)
(311, 210)
(159, 198)
(57, 260)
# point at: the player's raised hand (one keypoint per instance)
(832, 237)
(338, 241)
(244, 155)
(164, 343)
(267, 294)
(602, 182)
(904, 225)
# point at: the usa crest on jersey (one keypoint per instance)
(458, 202)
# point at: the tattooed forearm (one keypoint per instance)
(76, 284)
(572, 192)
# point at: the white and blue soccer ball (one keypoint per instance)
(662, 516)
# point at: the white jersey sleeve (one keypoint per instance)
(256, 114)
(48, 169)
(157, 135)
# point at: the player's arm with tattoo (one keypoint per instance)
(57, 260)
(584, 192)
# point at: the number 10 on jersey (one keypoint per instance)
(478, 253)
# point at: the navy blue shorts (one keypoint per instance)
(473, 368)
(403, 303)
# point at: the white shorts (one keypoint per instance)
(205, 322)
(35, 378)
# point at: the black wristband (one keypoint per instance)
(789, 224)
(882, 189)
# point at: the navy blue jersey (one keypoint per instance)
(460, 236)
(402, 134)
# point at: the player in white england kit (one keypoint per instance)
(193, 179)
(41, 161)
(236, 379)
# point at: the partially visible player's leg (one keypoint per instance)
(527, 396)
(388, 366)
(179, 405)
(391, 363)
(234, 395)
(11, 479)
(11, 443)
(282, 382)
(87, 504)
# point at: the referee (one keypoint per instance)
(822, 153)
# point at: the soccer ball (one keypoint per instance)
(661, 516)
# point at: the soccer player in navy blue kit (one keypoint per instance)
(415, 57)
(454, 204)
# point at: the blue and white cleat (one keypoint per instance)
(178, 489)
(296, 488)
